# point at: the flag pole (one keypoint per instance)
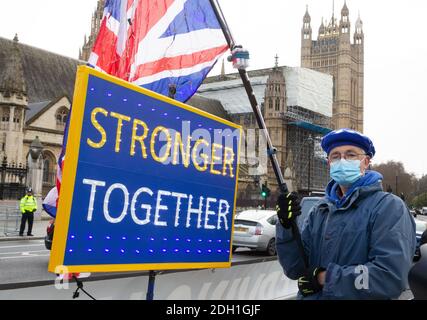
(261, 123)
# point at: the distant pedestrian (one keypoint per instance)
(28, 206)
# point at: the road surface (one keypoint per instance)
(26, 261)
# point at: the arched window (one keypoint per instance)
(49, 168)
(277, 104)
(46, 167)
(61, 117)
(5, 114)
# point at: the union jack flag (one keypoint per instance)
(158, 43)
(154, 44)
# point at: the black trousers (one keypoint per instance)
(27, 216)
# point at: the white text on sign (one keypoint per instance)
(188, 210)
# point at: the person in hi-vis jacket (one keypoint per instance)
(28, 206)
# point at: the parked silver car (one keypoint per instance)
(256, 229)
(421, 226)
(307, 204)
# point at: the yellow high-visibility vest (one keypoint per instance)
(28, 203)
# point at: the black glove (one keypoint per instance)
(309, 284)
(288, 209)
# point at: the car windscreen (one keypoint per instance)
(421, 226)
(245, 222)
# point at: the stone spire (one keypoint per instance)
(307, 18)
(358, 33)
(322, 28)
(345, 20)
(359, 25)
(12, 78)
(95, 25)
(344, 10)
(333, 10)
(306, 29)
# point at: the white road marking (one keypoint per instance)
(22, 257)
(24, 253)
(22, 246)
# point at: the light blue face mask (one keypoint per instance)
(346, 172)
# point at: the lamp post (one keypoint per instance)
(36, 148)
(298, 155)
(35, 169)
(396, 185)
(257, 181)
(311, 143)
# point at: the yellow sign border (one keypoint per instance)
(69, 174)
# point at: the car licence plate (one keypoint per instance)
(241, 229)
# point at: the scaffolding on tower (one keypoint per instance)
(305, 130)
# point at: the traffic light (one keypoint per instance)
(265, 191)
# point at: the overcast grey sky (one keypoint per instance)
(395, 53)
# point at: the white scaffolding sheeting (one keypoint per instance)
(309, 89)
(232, 94)
(305, 88)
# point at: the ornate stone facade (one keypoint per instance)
(96, 24)
(33, 103)
(335, 54)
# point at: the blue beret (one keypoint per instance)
(344, 137)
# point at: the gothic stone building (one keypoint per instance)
(335, 54)
(36, 92)
(36, 89)
(332, 53)
(89, 42)
(296, 104)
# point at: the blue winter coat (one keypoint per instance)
(366, 242)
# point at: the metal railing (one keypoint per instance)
(10, 218)
(12, 180)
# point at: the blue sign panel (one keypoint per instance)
(148, 183)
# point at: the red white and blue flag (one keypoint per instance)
(158, 43)
(50, 203)
(154, 44)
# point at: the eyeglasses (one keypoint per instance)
(350, 155)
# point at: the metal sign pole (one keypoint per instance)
(152, 274)
(151, 282)
(261, 123)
